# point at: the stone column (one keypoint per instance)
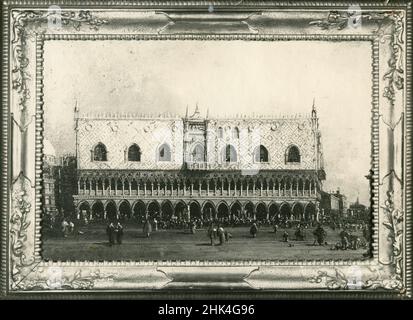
(184, 188)
(130, 187)
(207, 187)
(78, 186)
(192, 189)
(151, 188)
(189, 211)
(297, 188)
(123, 187)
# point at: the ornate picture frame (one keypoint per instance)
(386, 26)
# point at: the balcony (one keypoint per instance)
(204, 166)
(200, 166)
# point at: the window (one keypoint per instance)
(198, 153)
(230, 155)
(235, 133)
(100, 153)
(134, 153)
(164, 153)
(220, 132)
(261, 154)
(293, 154)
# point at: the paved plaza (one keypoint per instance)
(182, 245)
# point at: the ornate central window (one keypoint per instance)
(197, 154)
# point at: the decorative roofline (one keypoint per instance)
(170, 116)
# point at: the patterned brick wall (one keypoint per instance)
(119, 133)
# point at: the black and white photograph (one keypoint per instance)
(209, 150)
(206, 149)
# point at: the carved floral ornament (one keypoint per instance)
(28, 272)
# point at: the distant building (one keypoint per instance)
(59, 182)
(358, 211)
(49, 179)
(334, 204)
(66, 184)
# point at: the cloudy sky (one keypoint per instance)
(227, 78)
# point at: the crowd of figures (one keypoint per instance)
(217, 231)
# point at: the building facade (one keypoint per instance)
(49, 189)
(198, 167)
(59, 182)
(358, 211)
(334, 205)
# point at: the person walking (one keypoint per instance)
(147, 228)
(110, 231)
(212, 233)
(254, 230)
(155, 223)
(119, 232)
(221, 235)
(320, 235)
(193, 226)
(285, 236)
(65, 226)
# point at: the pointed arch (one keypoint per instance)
(229, 154)
(198, 153)
(99, 152)
(134, 153)
(125, 209)
(164, 152)
(292, 154)
(261, 154)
